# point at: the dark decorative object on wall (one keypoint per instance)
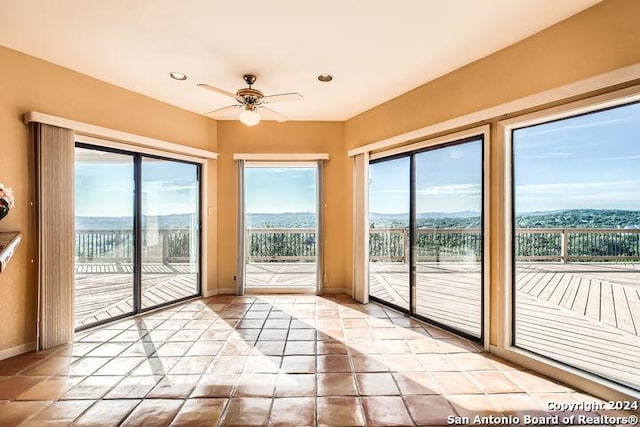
(6, 200)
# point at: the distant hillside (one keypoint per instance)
(282, 220)
(462, 219)
(125, 223)
(574, 218)
(580, 218)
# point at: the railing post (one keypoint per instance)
(165, 248)
(406, 249)
(564, 245)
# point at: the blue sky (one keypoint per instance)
(104, 188)
(280, 189)
(590, 162)
(447, 180)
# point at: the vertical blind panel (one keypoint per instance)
(241, 251)
(361, 228)
(54, 148)
(320, 229)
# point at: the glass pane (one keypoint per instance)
(104, 199)
(170, 231)
(577, 242)
(280, 226)
(389, 231)
(448, 236)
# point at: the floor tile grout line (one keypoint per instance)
(343, 340)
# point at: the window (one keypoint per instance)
(426, 240)
(576, 241)
(137, 225)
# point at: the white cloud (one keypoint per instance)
(633, 157)
(573, 195)
(452, 189)
(583, 187)
(546, 155)
(564, 126)
(459, 190)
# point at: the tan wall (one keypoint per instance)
(290, 137)
(600, 39)
(32, 84)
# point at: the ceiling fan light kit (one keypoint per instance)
(252, 102)
(249, 117)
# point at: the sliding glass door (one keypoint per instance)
(447, 237)
(281, 227)
(426, 234)
(389, 218)
(576, 241)
(104, 210)
(170, 231)
(137, 233)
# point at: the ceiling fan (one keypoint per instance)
(252, 104)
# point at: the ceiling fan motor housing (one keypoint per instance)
(250, 96)
(251, 99)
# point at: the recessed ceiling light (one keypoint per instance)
(177, 76)
(325, 77)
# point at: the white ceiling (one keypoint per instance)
(376, 49)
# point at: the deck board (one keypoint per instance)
(575, 313)
(103, 291)
(592, 309)
(445, 293)
(622, 310)
(281, 275)
(633, 299)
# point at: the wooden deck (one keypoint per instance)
(103, 291)
(605, 293)
(447, 293)
(584, 314)
(281, 275)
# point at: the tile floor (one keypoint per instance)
(269, 360)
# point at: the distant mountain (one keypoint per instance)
(572, 218)
(580, 218)
(282, 220)
(126, 222)
(425, 215)
(461, 219)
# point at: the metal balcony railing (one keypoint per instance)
(281, 244)
(389, 244)
(165, 246)
(533, 244)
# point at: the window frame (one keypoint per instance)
(505, 308)
(137, 157)
(482, 132)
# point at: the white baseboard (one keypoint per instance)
(209, 292)
(232, 291)
(19, 349)
(334, 291)
(256, 290)
(220, 291)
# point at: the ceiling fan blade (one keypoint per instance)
(269, 114)
(283, 97)
(215, 89)
(224, 109)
